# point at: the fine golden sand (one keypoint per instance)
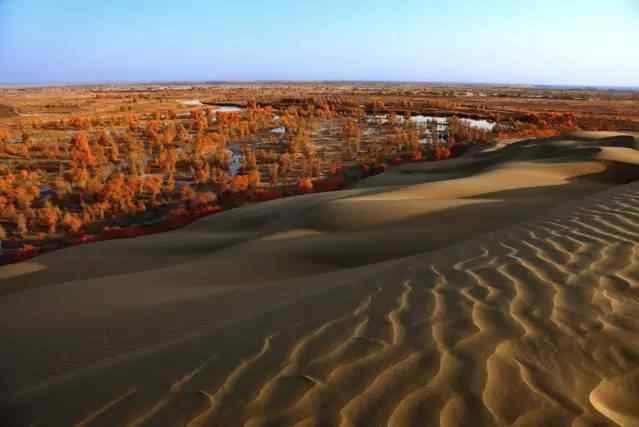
(500, 288)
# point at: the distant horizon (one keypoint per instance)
(69, 42)
(321, 81)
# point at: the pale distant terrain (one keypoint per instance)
(498, 288)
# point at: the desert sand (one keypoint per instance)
(499, 288)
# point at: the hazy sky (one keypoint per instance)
(512, 41)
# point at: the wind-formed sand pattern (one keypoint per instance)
(534, 323)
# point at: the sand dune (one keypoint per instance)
(501, 288)
(323, 232)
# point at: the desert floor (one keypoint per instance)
(500, 288)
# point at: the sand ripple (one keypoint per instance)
(535, 325)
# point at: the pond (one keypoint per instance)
(480, 124)
(442, 122)
(227, 109)
(216, 108)
(236, 159)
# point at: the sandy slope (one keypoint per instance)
(496, 289)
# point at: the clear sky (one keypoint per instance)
(593, 42)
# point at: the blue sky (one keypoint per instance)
(511, 41)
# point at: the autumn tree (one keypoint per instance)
(62, 187)
(132, 122)
(305, 185)
(114, 154)
(81, 154)
(284, 163)
(105, 138)
(4, 135)
(153, 184)
(136, 159)
(49, 215)
(253, 179)
(72, 222)
(239, 183)
(170, 184)
(186, 192)
(203, 199)
(21, 224)
(352, 134)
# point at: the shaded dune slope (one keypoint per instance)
(523, 323)
(320, 233)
